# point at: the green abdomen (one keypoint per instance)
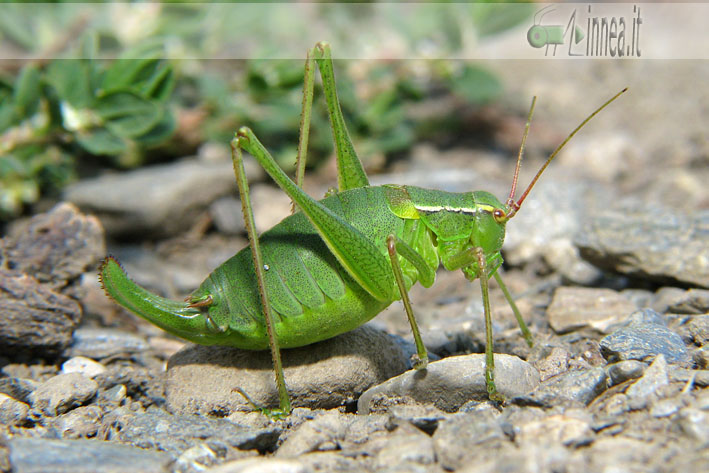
(312, 296)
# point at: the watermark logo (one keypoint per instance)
(615, 36)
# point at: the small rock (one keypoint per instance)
(82, 422)
(82, 456)
(57, 246)
(18, 388)
(34, 317)
(556, 429)
(556, 362)
(701, 357)
(698, 327)
(327, 374)
(157, 429)
(625, 370)
(449, 383)
(692, 301)
(84, 366)
(160, 200)
(12, 411)
(101, 343)
(665, 408)
(196, 458)
(405, 450)
(325, 432)
(655, 376)
(62, 393)
(694, 423)
(261, 465)
(648, 242)
(576, 387)
(575, 308)
(459, 437)
(644, 317)
(643, 342)
(116, 394)
(425, 418)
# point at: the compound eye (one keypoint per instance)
(499, 215)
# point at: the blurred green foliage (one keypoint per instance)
(55, 111)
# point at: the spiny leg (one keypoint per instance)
(350, 173)
(489, 354)
(242, 183)
(394, 245)
(518, 315)
(305, 114)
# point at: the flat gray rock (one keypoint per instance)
(157, 200)
(649, 242)
(451, 382)
(327, 374)
(575, 308)
(61, 393)
(82, 456)
(644, 341)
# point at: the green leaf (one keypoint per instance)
(27, 91)
(128, 115)
(127, 73)
(160, 85)
(71, 78)
(102, 142)
(7, 112)
(477, 85)
(160, 132)
(493, 18)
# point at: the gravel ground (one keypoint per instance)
(608, 258)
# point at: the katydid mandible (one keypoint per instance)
(338, 262)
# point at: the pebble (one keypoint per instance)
(408, 449)
(62, 393)
(101, 343)
(554, 363)
(35, 318)
(116, 394)
(324, 432)
(573, 387)
(654, 377)
(174, 434)
(227, 215)
(261, 465)
(577, 308)
(644, 341)
(698, 328)
(691, 301)
(694, 423)
(556, 429)
(648, 242)
(460, 437)
(664, 408)
(18, 388)
(84, 366)
(327, 374)
(82, 422)
(451, 382)
(625, 370)
(12, 411)
(82, 456)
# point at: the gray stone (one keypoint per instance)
(327, 374)
(644, 342)
(649, 242)
(115, 395)
(575, 308)
(406, 450)
(460, 437)
(261, 465)
(18, 388)
(698, 328)
(57, 246)
(82, 422)
(82, 456)
(227, 215)
(101, 343)
(691, 301)
(159, 200)
(625, 370)
(157, 429)
(12, 411)
(573, 387)
(654, 377)
(694, 423)
(62, 393)
(325, 432)
(644, 317)
(34, 318)
(554, 363)
(567, 430)
(449, 383)
(84, 366)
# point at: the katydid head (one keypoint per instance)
(512, 205)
